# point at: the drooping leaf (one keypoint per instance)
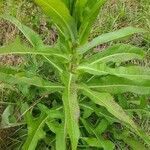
(116, 85)
(13, 77)
(104, 38)
(106, 100)
(71, 109)
(60, 14)
(17, 47)
(32, 37)
(117, 53)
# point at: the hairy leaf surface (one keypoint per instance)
(117, 53)
(116, 85)
(71, 107)
(106, 100)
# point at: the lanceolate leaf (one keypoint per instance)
(32, 37)
(11, 77)
(133, 72)
(80, 5)
(35, 130)
(106, 100)
(35, 126)
(116, 85)
(104, 38)
(117, 53)
(59, 130)
(59, 13)
(94, 142)
(17, 47)
(100, 142)
(88, 21)
(71, 108)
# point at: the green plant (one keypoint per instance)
(86, 84)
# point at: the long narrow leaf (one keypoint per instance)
(117, 53)
(104, 38)
(60, 14)
(89, 20)
(17, 47)
(106, 100)
(116, 85)
(71, 108)
(32, 37)
(133, 72)
(12, 77)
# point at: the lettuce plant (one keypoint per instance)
(86, 82)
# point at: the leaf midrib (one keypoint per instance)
(61, 18)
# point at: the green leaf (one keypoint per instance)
(35, 125)
(60, 139)
(117, 53)
(13, 77)
(59, 13)
(8, 119)
(101, 142)
(71, 107)
(54, 64)
(134, 144)
(79, 9)
(57, 128)
(35, 130)
(32, 37)
(102, 126)
(132, 72)
(108, 37)
(88, 21)
(5, 117)
(106, 100)
(116, 85)
(17, 47)
(93, 142)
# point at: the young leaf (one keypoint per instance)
(78, 11)
(71, 108)
(106, 100)
(117, 53)
(32, 37)
(104, 38)
(88, 21)
(116, 85)
(17, 47)
(59, 13)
